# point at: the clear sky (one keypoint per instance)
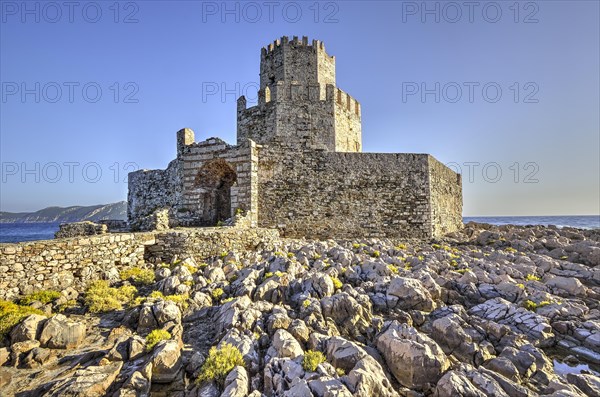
(506, 92)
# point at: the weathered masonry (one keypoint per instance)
(298, 166)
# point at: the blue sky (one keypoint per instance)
(532, 150)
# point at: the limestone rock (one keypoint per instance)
(413, 358)
(61, 333)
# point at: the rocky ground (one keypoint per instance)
(490, 311)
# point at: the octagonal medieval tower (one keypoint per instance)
(298, 101)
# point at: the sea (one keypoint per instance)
(16, 232)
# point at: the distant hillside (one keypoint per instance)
(68, 214)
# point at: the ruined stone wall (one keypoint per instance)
(344, 195)
(200, 175)
(446, 198)
(57, 264)
(207, 182)
(207, 242)
(150, 191)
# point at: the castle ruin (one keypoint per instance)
(298, 166)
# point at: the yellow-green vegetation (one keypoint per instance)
(400, 247)
(67, 305)
(337, 283)
(407, 268)
(268, 275)
(510, 249)
(224, 254)
(356, 246)
(228, 299)
(530, 305)
(564, 257)
(101, 297)
(436, 246)
(544, 303)
(532, 277)
(522, 286)
(45, 296)
(376, 254)
(138, 275)
(463, 271)
(12, 314)
(190, 268)
(420, 257)
(306, 303)
(278, 253)
(219, 363)
(217, 293)
(453, 256)
(179, 300)
(189, 283)
(290, 255)
(340, 371)
(394, 269)
(156, 336)
(311, 360)
(453, 263)
(316, 257)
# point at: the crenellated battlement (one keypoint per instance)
(296, 61)
(295, 42)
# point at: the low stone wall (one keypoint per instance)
(206, 242)
(56, 264)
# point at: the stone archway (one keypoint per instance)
(215, 178)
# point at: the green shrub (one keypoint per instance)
(393, 269)
(180, 300)
(510, 249)
(101, 297)
(400, 247)
(219, 363)
(306, 303)
(311, 360)
(530, 305)
(190, 268)
(156, 336)
(217, 293)
(138, 275)
(376, 254)
(532, 277)
(340, 371)
(337, 283)
(12, 314)
(45, 296)
(268, 275)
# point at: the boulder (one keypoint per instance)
(236, 383)
(166, 361)
(414, 359)
(61, 333)
(409, 294)
(28, 329)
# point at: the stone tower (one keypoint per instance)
(298, 101)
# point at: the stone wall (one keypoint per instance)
(57, 264)
(206, 184)
(446, 198)
(207, 242)
(344, 195)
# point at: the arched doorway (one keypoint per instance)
(215, 179)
